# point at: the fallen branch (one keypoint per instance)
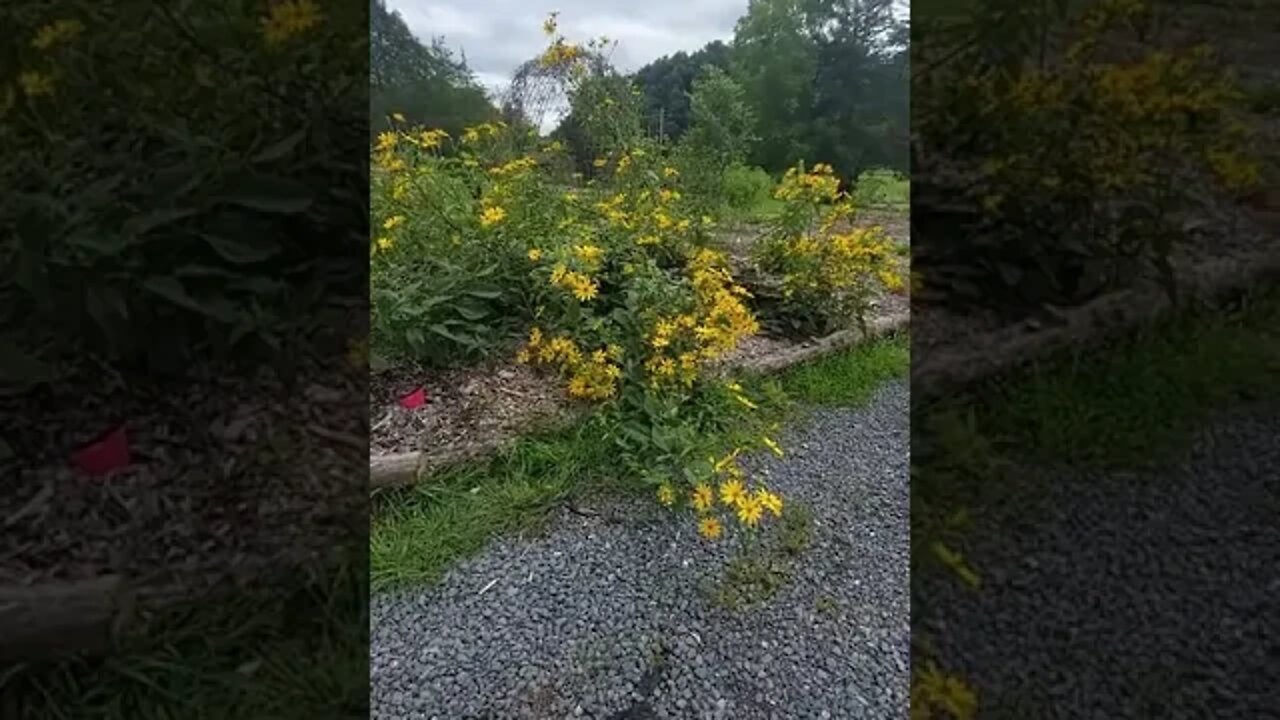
(54, 619)
(949, 369)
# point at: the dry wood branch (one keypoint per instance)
(992, 354)
(53, 619)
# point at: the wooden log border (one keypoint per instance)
(986, 356)
(404, 469)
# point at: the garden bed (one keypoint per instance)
(495, 404)
(471, 412)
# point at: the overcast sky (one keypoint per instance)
(499, 35)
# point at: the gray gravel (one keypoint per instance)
(605, 620)
(1125, 595)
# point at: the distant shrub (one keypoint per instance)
(746, 187)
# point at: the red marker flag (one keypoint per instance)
(414, 400)
(107, 454)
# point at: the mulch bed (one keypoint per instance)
(230, 476)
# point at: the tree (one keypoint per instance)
(425, 83)
(667, 83)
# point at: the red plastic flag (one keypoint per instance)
(414, 400)
(107, 454)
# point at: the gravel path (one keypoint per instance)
(605, 620)
(1126, 595)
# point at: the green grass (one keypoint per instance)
(882, 188)
(416, 533)
(296, 653)
(849, 378)
(419, 532)
(1142, 395)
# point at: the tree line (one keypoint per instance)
(823, 79)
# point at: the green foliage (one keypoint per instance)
(1074, 154)
(667, 84)
(828, 79)
(173, 179)
(882, 188)
(746, 188)
(719, 138)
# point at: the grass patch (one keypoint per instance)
(416, 533)
(297, 653)
(851, 377)
(1145, 394)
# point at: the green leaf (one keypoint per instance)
(148, 221)
(280, 148)
(472, 311)
(269, 193)
(243, 251)
(172, 290)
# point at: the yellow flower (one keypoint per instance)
(35, 84)
(586, 290)
(730, 491)
(588, 253)
(56, 32)
(666, 495)
(288, 19)
(670, 172)
(535, 254)
(613, 351)
(770, 501)
(599, 162)
(492, 216)
(392, 222)
(385, 243)
(549, 25)
(709, 528)
(773, 446)
(749, 510)
(398, 117)
(703, 497)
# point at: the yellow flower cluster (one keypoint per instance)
(57, 32)
(725, 317)
(560, 54)
(592, 376)
(819, 184)
(749, 506)
(476, 133)
(288, 19)
(682, 343)
(518, 166)
(35, 83)
(491, 216)
(582, 286)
